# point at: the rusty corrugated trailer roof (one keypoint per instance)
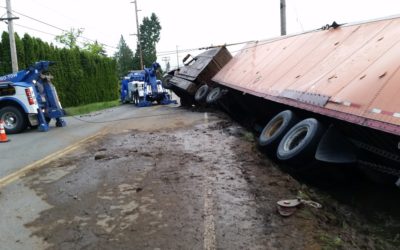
(350, 73)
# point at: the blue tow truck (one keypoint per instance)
(28, 98)
(142, 88)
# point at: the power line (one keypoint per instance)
(58, 28)
(172, 52)
(39, 21)
(29, 28)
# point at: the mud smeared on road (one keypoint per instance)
(198, 185)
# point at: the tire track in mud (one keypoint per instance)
(209, 223)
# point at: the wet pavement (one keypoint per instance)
(191, 180)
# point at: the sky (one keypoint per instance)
(187, 24)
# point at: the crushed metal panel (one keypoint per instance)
(310, 98)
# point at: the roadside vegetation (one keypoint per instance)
(88, 108)
(83, 72)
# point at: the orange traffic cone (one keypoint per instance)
(3, 136)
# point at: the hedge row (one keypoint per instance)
(79, 76)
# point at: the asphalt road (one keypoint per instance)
(31, 146)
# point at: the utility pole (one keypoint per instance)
(13, 49)
(166, 61)
(177, 56)
(138, 35)
(283, 17)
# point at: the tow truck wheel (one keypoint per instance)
(300, 142)
(14, 119)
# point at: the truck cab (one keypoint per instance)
(18, 106)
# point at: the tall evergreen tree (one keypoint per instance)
(124, 58)
(5, 57)
(149, 37)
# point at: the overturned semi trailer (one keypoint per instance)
(332, 94)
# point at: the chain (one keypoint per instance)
(378, 151)
(381, 168)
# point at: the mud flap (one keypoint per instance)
(335, 148)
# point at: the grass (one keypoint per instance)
(331, 242)
(84, 109)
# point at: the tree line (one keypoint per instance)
(79, 76)
(83, 75)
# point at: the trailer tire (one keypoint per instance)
(14, 119)
(301, 141)
(201, 93)
(214, 95)
(276, 128)
(166, 81)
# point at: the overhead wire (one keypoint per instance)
(55, 27)
(172, 52)
(39, 21)
(29, 28)
(162, 53)
(61, 29)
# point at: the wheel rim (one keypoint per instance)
(10, 120)
(201, 93)
(271, 130)
(295, 139)
(214, 94)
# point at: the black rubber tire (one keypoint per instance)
(201, 93)
(21, 121)
(214, 95)
(165, 83)
(300, 142)
(276, 128)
